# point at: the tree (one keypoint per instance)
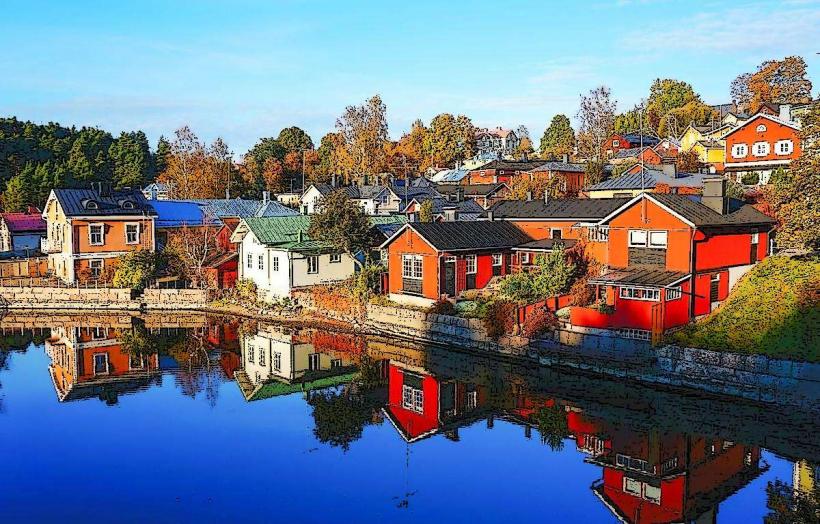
(411, 149)
(553, 274)
(131, 157)
(193, 245)
(524, 141)
(558, 139)
(331, 157)
(671, 106)
(536, 186)
(161, 155)
(593, 172)
(135, 269)
(687, 161)
(272, 175)
(426, 211)
(294, 139)
(795, 194)
(220, 168)
(597, 120)
(16, 195)
(185, 163)
(342, 224)
(775, 81)
(364, 129)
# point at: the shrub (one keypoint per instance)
(442, 307)
(553, 275)
(245, 291)
(538, 322)
(750, 179)
(136, 268)
(365, 282)
(499, 318)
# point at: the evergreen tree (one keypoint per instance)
(161, 157)
(558, 139)
(16, 195)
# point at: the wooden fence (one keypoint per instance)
(552, 303)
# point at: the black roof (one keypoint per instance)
(557, 208)
(513, 165)
(454, 236)
(472, 189)
(554, 165)
(547, 244)
(640, 276)
(635, 138)
(691, 208)
(89, 202)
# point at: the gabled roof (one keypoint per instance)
(557, 208)
(512, 165)
(178, 213)
(352, 192)
(229, 207)
(466, 236)
(631, 152)
(451, 176)
(480, 190)
(291, 232)
(753, 118)
(690, 209)
(651, 178)
(635, 138)
(274, 209)
(89, 202)
(440, 204)
(23, 222)
(553, 165)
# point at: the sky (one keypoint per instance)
(245, 69)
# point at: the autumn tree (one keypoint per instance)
(795, 194)
(671, 106)
(364, 129)
(185, 163)
(775, 81)
(596, 116)
(341, 224)
(426, 211)
(687, 161)
(331, 158)
(450, 139)
(524, 141)
(193, 245)
(219, 165)
(411, 146)
(536, 186)
(558, 139)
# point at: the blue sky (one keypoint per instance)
(245, 69)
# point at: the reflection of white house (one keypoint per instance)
(276, 363)
(374, 200)
(278, 256)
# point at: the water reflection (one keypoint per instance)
(660, 456)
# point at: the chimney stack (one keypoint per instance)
(265, 197)
(460, 194)
(785, 112)
(670, 169)
(529, 196)
(546, 196)
(714, 194)
(565, 158)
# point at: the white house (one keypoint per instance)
(277, 254)
(374, 200)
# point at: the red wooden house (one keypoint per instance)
(762, 144)
(572, 175)
(620, 141)
(674, 257)
(429, 261)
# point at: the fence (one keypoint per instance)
(552, 303)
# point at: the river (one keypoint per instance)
(194, 418)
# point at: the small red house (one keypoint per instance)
(429, 261)
(620, 141)
(672, 258)
(572, 175)
(761, 144)
(500, 171)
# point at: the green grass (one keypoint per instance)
(774, 310)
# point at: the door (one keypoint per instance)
(450, 277)
(657, 324)
(714, 288)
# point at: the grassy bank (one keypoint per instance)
(774, 311)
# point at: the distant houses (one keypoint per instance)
(22, 232)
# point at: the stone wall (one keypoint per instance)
(100, 298)
(441, 329)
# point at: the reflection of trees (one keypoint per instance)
(790, 506)
(16, 342)
(552, 425)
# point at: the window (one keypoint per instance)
(637, 334)
(784, 147)
(275, 262)
(335, 363)
(260, 263)
(98, 333)
(632, 486)
(657, 239)
(412, 398)
(556, 234)
(497, 259)
(313, 361)
(472, 399)
(261, 356)
(616, 143)
(136, 361)
(638, 293)
(471, 263)
(525, 258)
(132, 233)
(251, 356)
(761, 148)
(96, 267)
(673, 293)
(755, 238)
(313, 264)
(740, 150)
(277, 361)
(761, 128)
(101, 363)
(598, 233)
(96, 233)
(250, 261)
(637, 238)
(652, 493)
(335, 258)
(411, 266)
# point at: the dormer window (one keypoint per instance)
(761, 128)
(90, 204)
(126, 204)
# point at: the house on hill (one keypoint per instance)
(672, 258)
(500, 171)
(429, 261)
(619, 141)
(22, 231)
(89, 229)
(761, 145)
(497, 141)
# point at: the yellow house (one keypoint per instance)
(707, 144)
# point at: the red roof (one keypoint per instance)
(24, 222)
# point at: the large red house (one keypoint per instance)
(762, 144)
(672, 258)
(429, 261)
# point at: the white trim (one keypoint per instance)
(400, 231)
(637, 198)
(758, 163)
(139, 235)
(762, 115)
(100, 225)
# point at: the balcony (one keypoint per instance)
(50, 246)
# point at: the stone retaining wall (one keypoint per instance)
(435, 328)
(100, 298)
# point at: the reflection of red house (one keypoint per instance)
(672, 257)
(420, 405)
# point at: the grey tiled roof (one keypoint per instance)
(559, 166)
(470, 190)
(691, 208)
(452, 236)
(569, 208)
(652, 177)
(547, 244)
(640, 276)
(512, 165)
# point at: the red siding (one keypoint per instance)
(412, 422)
(721, 251)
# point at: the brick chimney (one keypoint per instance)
(670, 169)
(714, 194)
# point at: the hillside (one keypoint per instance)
(774, 310)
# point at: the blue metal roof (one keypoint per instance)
(178, 213)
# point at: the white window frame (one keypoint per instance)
(260, 262)
(673, 293)
(94, 364)
(525, 258)
(251, 353)
(779, 149)
(335, 258)
(275, 263)
(98, 333)
(412, 398)
(658, 239)
(312, 264)
(639, 293)
(755, 238)
(467, 263)
(314, 362)
(261, 356)
(412, 267)
(91, 228)
(136, 233)
(761, 128)
(740, 150)
(498, 259)
(598, 233)
(638, 232)
(96, 266)
(761, 149)
(250, 260)
(277, 361)
(616, 143)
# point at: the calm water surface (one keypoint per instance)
(194, 419)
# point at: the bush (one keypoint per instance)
(541, 320)
(750, 179)
(136, 268)
(442, 307)
(553, 275)
(245, 291)
(499, 318)
(366, 281)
